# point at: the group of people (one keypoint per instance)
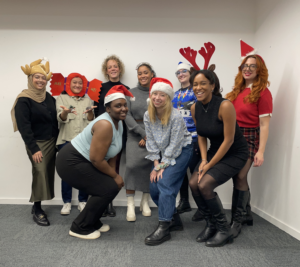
(164, 133)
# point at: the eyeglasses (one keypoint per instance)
(177, 73)
(251, 67)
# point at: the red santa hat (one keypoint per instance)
(116, 92)
(162, 85)
(247, 50)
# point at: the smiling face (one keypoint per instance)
(249, 73)
(113, 71)
(118, 109)
(144, 76)
(159, 99)
(76, 85)
(39, 81)
(183, 76)
(202, 88)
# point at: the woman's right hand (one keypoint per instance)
(119, 180)
(200, 170)
(142, 143)
(37, 157)
(68, 110)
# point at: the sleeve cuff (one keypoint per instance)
(34, 149)
(153, 157)
(60, 120)
(265, 115)
(169, 161)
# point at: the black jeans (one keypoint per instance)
(80, 173)
(196, 157)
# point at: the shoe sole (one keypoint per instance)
(65, 214)
(185, 210)
(156, 243)
(146, 214)
(102, 231)
(228, 241)
(111, 215)
(83, 236)
(197, 220)
(131, 219)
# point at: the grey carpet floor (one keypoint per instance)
(23, 243)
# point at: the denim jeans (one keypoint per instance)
(165, 190)
(66, 189)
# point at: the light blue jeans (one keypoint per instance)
(165, 190)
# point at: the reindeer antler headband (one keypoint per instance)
(191, 54)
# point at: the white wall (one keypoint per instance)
(275, 186)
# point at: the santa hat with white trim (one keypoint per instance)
(247, 50)
(116, 92)
(162, 85)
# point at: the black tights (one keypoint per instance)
(240, 180)
(206, 186)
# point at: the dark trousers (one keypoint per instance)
(66, 189)
(196, 157)
(80, 173)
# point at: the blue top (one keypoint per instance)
(167, 140)
(82, 142)
(183, 99)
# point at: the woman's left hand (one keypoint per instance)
(89, 110)
(142, 143)
(153, 175)
(258, 159)
(202, 172)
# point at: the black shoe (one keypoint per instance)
(160, 235)
(104, 213)
(176, 223)
(111, 212)
(224, 234)
(198, 217)
(183, 206)
(41, 219)
(33, 211)
(210, 229)
(240, 211)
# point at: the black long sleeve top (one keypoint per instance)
(36, 121)
(104, 89)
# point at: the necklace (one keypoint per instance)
(204, 108)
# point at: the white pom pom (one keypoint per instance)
(132, 98)
(148, 101)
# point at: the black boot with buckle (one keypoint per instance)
(176, 223)
(160, 235)
(240, 211)
(210, 229)
(224, 233)
(111, 212)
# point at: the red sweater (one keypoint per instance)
(247, 115)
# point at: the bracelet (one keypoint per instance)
(204, 160)
(161, 166)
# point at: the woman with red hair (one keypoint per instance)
(253, 104)
(74, 112)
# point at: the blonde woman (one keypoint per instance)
(113, 69)
(170, 148)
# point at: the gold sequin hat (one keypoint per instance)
(37, 67)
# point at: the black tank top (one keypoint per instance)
(210, 126)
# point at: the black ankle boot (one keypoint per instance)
(176, 223)
(160, 235)
(224, 233)
(210, 229)
(198, 217)
(240, 211)
(183, 206)
(111, 212)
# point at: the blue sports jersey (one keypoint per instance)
(183, 99)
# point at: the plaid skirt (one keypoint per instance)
(252, 138)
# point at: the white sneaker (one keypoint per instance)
(93, 235)
(104, 228)
(81, 206)
(144, 207)
(66, 209)
(130, 217)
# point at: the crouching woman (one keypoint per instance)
(169, 146)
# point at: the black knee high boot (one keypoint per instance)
(249, 218)
(210, 229)
(240, 211)
(224, 233)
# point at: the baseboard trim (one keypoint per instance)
(281, 225)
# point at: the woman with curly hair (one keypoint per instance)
(253, 104)
(113, 69)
